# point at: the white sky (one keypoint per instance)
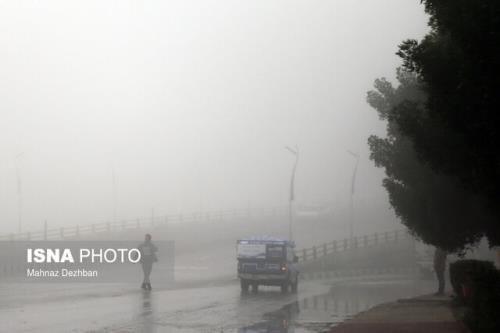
(191, 101)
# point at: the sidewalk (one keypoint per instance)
(424, 314)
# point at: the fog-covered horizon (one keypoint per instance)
(124, 107)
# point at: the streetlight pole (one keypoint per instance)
(19, 194)
(353, 183)
(295, 152)
(113, 185)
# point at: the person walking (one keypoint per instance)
(148, 257)
(439, 268)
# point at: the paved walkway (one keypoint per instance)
(424, 314)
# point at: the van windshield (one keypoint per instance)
(275, 252)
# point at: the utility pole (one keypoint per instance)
(353, 185)
(19, 194)
(113, 184)
(45, 230)
(295, 152)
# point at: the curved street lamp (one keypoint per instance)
(19, 193)
(295, 152)
(353, 183)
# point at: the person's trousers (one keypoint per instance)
(441, 282)
(147, 266)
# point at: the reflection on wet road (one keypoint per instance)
(203, 309)
(221, 309)
(146, 312)
(320, 312)
(265, 312)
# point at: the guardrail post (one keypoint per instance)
(365, 241)
(325, 249)
(334, 246)
(61, 232)
(345, 244)
(314, 252)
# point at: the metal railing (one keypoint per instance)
(148, 222)
(366, 241)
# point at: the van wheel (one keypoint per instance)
(244, 286)
(284, 287)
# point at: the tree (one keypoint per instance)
(458, 64)
(435, 207)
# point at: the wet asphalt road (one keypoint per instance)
(196, 308)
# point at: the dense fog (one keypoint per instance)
(115, 110)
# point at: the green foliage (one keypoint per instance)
(462, 273)
(482, 280)
(458, 65)
(435, 207)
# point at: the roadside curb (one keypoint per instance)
(422, 314)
